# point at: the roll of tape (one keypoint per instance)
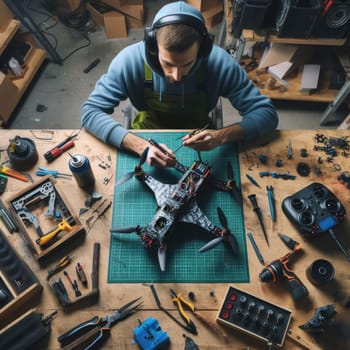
(320, 272)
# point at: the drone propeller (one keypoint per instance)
(222, 218)
(128, 229)
(213, 243)
(235, 191)
(130, 174)
(162, 257)
(227, 235)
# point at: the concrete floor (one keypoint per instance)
(62, 89)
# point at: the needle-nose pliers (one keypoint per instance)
(92, 333)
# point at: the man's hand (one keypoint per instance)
(207, 140)
(203, 141)
(155, 156)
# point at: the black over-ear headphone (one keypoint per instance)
(151, 39)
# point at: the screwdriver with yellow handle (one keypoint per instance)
(13, 173)
(64, 225)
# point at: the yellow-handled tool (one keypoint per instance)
(64, 225)
(179, 300)
(13, 173)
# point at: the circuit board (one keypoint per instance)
(134, 204)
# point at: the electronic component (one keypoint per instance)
(252, 315)
(150, 336)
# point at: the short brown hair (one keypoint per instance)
(177, 37)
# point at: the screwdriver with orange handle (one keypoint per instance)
(13, 173)
(64, 225)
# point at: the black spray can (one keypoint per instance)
(80, 167)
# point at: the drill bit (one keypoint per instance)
(252, 198)
(271, 198)
(256, 249)
(252, 180)
(289, 242)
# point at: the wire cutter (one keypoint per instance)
(180, 301)
(92, 333)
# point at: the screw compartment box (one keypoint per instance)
(252, 315)
(42, 209)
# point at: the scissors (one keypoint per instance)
(92, 333)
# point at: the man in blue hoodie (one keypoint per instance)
(175, 77)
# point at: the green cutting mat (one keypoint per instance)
(134, 204)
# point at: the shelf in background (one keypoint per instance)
(8, 34)
(251, 35)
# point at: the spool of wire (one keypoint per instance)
(22, 153)
(320, 272)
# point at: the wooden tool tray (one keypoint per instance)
(18, 284)
(43, 211)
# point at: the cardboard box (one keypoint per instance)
(204, 5)
(132, 23)
(5, 16)
(8, 97)
(213, 16)
(132, 8)
(309, 78)
(114, 23)
(96, 16)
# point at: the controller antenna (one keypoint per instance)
(332, 233)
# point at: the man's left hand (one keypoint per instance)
(205, 140)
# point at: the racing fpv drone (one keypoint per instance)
(177, 203)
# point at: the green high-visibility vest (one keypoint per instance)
(173, 111)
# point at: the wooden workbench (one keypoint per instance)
(208, 297)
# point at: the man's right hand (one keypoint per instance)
(155, 157)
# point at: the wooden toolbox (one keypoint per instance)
(46, 219)
(18, 284)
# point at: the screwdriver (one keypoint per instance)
(44, 171)
(257, 210)
(13, 173)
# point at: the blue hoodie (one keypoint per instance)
(125, 79)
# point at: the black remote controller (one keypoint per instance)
(314, 209)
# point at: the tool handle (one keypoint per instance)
(95, 263)
(79, 330)
(57, 151)
(211, 325)
(89, 341)
(181, 310)
(252, 198)
(13, 173)
(45, 239)
(296, 287)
